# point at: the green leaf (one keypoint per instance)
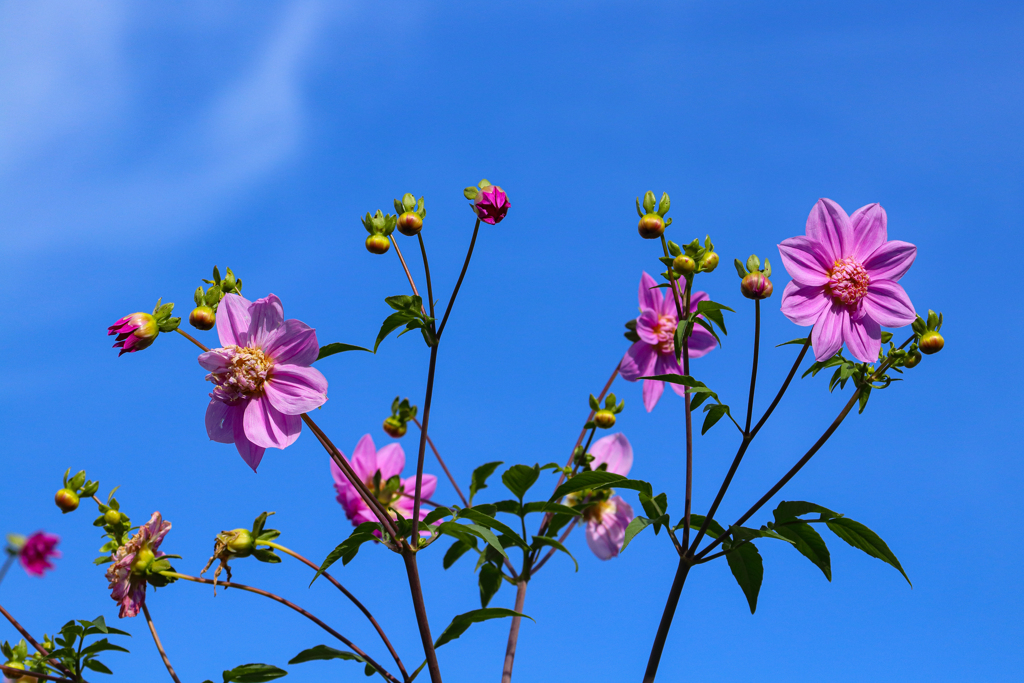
(322, 652)
(97, 666)
(539, 541)
(480, 475)
(714, 529)
(639, 524)
(390, 324)
(338, 347)
(457, 550)
(511, 507)
(490, 582)
(548, 506)
(267, 555)
(791, 509)
(463, 621)
(810, 544)
(801, 341)
(588, 480)
(747, 568)
(347, 549)
(465, 532)
(863, 538)
(253, 673)
(742, 533)
(519, 478)
(491, 523)
(436, 514)
(714, 414)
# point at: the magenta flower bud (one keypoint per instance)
(377, 244)
(709, 262)
(756, 285)
(410, 223)
(491, 204)
(395, 428)
(67, 500)
(684, 265)
(931, 342)
(605, 419)
(134, 332)
(202, 318)
(651, 226)
(37, 552)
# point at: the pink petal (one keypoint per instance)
(645, 325)
(668, 303)
(213, 361)
(294, 343)
(869, 230)
(805, 260)
(701, 342)
(890, 261)
(638, 361)
(233, 320)
(804, 305)
(696, 298)
(652, 392)
(427, 491)
(294, 390)
(601, 541)
(863, 338)
(364, 458)
(650, 297)
(267, 427)
(829, 226)
(614, 451)
(827, 335)
(250, 452)
(887, 304)
(267, 314)
(390, 460)
(221, 419)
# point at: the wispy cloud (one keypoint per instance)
(72, 168)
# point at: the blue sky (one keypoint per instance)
(141, 145)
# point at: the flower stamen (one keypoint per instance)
(247, 371)
(847, 281)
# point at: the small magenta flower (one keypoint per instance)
(381, 471)
(126, 573)
(491, 204)
(845, 276)
(37, 552)
(134, 332)
(264, 382)
(607, 519)
(655, 353)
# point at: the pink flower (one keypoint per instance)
(491, 204)
(375, 468)
(37, 552)
(655, 353)
(264, 382)
(134, 332)
(607, 519)
(845, 278)
(128, 587)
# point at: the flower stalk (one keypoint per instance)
(159, 645)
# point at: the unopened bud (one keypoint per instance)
(394, 427)
(913, 359)
(377, 244)
(67, 500)
(684, 265)
(239, 541)
(709, 262)
(651, 226)
(202, 318)
(111, 517)
(605, 419)
(409, 223)
(756, 286)
(19, 679)
(931, 342)
(143, 558)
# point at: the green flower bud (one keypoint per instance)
(111, 517)
(931, 342)
(19, 679)
(709, 262)
(143, 559)
(67, 500)
(239, 541)
(410, 223)
(394, 427)
(684, 265)
(913, 359)
(604, 418)
(377, 244)
(756, 286)
(651, 226)
(202, 318)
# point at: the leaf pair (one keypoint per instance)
(408, 312)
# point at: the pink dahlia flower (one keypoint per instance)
(655, 353)
(845, 276)
(128, 589)
(491, 204)
(607, 519)
(264, 382)
(375, 468)
(37, 552)
(134, 332)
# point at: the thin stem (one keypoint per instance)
(355, 601)
(565, 535)
(782, 390)
(426, 270)
(753, 368)
(192, 339)
(421, 614)
(443, 466)
(689, 443)
(32, 641)
(7, 565)
(513, 634)
(20, 674)
(159, 646)
(432, 365)
(406, 269)
(666, 620)
(286, 603)
(458, 284)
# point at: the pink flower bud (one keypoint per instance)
(377, 244)
(67, 500)
(756, 285)
(202, 318)
(410, 223)
(37, 552)
(491, 204)
(651, 226)
(931, 342)
(134, 332)
(709, 262)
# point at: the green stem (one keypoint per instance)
(426, 270)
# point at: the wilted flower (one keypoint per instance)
(381, 471)
(126, 573)
(134, 332)
(264, 382)
(37, 552)
(655, 353)
(845, 276)
(491, 204)
(608, 516)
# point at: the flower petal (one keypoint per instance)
(827, 335)
(613, 451)
(364, 458)
(233, 320)
(890, 261)
(805, 260)
(220, 420)
(863, 338)
(804, 305)
(696, 298)
(268, 427)
(652, 392)
(869, 230)
(638, 361)
(701, 343)
(214, 361)
(645, 325)
(650, 297)
(250, 452)
(829, 226)
(294, 342)
(409, 488)
(390, 460)
(294, 390)
(267, 314)
(887, 304)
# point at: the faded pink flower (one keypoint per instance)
(607, 519)
(37, 552)
(128, 589)
(264, 382)
(389, 461)
(845, 278)
(491, 204)
(655, 353)
(134, 332)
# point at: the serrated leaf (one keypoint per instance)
(463, 621)
(863, 538)
(748, 570)
(810, 544)
(489, 583)
(539, 541)
(322, 652)
(519, 478)
(479, 480)
(337, 347)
